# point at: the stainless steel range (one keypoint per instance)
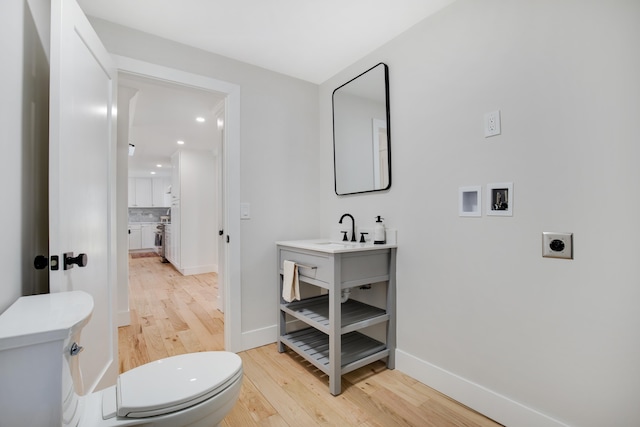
(160, 240)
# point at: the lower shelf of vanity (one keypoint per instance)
(358, 349)
(353, 314)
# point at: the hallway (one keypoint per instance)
(170, 313)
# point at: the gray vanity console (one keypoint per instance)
(331, 337)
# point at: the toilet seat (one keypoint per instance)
(175, 383)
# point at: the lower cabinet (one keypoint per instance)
(148, 236)
(142, 236)
(168, 242)
(135, 237)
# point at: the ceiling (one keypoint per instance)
(308, 39)
(163, 114)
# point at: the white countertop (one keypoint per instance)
(333, 247)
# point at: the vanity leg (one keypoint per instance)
(282, 316)
(335, 336)
(391, 309)
(282, 326)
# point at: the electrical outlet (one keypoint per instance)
(557, 245)
(492, 124)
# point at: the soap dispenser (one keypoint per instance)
(378, 232)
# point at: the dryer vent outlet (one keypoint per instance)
(557, 245)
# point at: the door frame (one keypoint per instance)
(231, 191)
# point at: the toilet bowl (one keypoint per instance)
(39, 376)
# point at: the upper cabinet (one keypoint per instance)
(148, 192)
(175, 175)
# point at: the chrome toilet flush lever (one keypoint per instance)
(75, 349)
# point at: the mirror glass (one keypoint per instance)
(362, 134)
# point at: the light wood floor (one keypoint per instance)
(173, 314)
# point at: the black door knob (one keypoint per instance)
(40, 262)
(69, 260)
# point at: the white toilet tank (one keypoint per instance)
(36, 337)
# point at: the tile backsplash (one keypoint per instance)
(146, 214)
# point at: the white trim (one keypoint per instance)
(123, 318)
(232, 291)
(489, 403)
(259, 337)
(199, 269)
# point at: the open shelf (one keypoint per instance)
(357, 349)
(354, 314)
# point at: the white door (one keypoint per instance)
(81, 198)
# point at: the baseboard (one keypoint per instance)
(489, 403)
(259, 337)
(199, 269)
(123, 318)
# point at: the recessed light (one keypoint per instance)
(180, 142)
(153, 173)
(200, 119)
(158, 166)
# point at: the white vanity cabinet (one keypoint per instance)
(332, 337)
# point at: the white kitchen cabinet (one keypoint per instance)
(148, 192)
(168, 241)
(135, 237)
(159, 191)
(132, 192)
(193, 212)
(175, 175)
(148, 235)
(176, 225)
(143, 192)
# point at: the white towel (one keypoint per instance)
(290, 284)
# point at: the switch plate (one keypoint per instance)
(492, 124)
(245, 211)
(557, 245)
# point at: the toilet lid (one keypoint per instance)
(175, 383)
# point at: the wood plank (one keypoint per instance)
(174, 314)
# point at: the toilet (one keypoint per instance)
(40, 375)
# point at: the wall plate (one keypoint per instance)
(492, 124)
(557, 245)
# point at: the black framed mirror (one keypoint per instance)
(362, 133)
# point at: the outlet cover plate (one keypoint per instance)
(492, 124)
(557, 245)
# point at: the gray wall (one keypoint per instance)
(481, 315)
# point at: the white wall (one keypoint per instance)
(24, 85)
(481, 315)
(279, 167)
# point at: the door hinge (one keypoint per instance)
(227, 238)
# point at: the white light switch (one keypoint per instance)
(492, 124)
(245, 211)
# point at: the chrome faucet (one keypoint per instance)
(353, 227)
